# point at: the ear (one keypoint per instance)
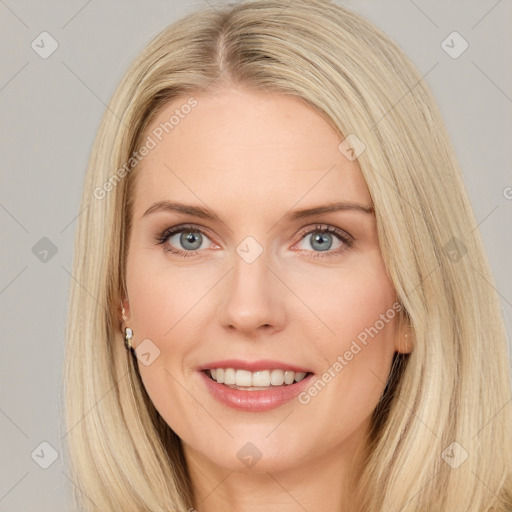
(404, 341)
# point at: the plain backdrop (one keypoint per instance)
(50, 109)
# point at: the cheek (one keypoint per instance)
(349, 299)
(160, 299)
(162, 296)
(357, 315)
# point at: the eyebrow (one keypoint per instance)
(206, 213)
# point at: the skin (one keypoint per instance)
(252, 157)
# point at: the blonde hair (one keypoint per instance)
(453, 388)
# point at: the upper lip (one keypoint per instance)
(253, 366)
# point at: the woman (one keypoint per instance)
(279, 297)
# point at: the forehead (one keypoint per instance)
(258, 149)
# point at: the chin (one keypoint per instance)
(254, 451)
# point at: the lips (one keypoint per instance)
(254, 385)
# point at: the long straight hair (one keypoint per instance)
(441, 435)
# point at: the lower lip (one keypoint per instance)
(255, 401)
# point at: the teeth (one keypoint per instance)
(277, 377)
(229, 376)
(289, 377)
(242, 378)
(262, 378)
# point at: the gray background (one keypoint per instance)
(50, 110)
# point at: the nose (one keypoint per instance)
(254, 298)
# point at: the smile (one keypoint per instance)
(254, 386)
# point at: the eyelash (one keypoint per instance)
(343, 236)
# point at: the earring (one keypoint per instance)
(123, 313)
(409, 342)
(128, 335)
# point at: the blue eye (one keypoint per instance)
(192, 239)
(321, 239)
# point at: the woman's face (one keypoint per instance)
(258, 291)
